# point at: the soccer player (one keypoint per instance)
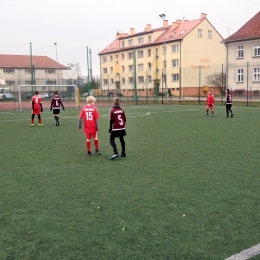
(117, 128)
(36, 108)
(56, 103)
(90, 116)
(228, 103)
(210, 103)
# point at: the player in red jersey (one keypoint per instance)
(90, 116)
(228, 103)
(117, 128)
(36, 108)
(210, 103)
(56, 104)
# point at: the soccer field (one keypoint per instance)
(189, 187)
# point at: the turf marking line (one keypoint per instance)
(246, 254)
(128, 115)
(7, 113)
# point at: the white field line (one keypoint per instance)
(128, 115)
(7, 113)
(246, 254)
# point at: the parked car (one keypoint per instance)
(44, 95)
(8, 96)
(29, 95)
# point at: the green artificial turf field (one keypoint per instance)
(189, 187)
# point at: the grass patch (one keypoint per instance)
(188, 188)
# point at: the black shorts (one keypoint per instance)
(118, 133)
(56, 111)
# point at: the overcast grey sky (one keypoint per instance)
(73, 25)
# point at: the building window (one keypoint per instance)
(105, 81)
(110, 58)
(130, 55)
(50, 71)
(256, 49)
(164, 49)
(112, 81)
(123, 44)
(149, 38)
(27, 71)
(104, 70)
(200, 33)
(111, 70)
(131, 42)
(116, 56)
(256, 75)
(123, 80)
(210, 34)
(175, 63)
(140, 67)
(8, 71)
(122, 56)
(240, 52)
(130, 67)
(140, 40)
(28, 82)
(9, 82)
(175, 77)
(149, 66)
(140, 54)
(104, 59)
(175, 48)
(123, 68)
(149, 79)
(240, 75)
(149, 53)
(116, 62)
(141, 79)
(256, 92)
(50, 82)
(130, 80)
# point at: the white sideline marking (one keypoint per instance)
(246, 254)
(7, 113)
(128, 115)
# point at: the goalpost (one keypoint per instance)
(68, 93)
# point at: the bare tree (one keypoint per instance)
(75, 66)
(217, 80)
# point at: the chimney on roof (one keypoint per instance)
(203, 15)
(165, 23)
(119, 35)
(132, 31)
(178, 21)
(148, 28)
(174, 25)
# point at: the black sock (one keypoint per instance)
(113, 144)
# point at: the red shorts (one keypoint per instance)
(36, 111)
(210, 106)
(91, 135)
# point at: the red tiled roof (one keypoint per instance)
(248, 31)
(182, 30)
(179, 32)
(24, 61)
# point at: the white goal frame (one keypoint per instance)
(56, 86)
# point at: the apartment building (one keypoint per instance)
(243, 59)
(178, 55)
(15, 70)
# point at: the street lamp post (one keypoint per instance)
(57, 63)
(164, 63)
